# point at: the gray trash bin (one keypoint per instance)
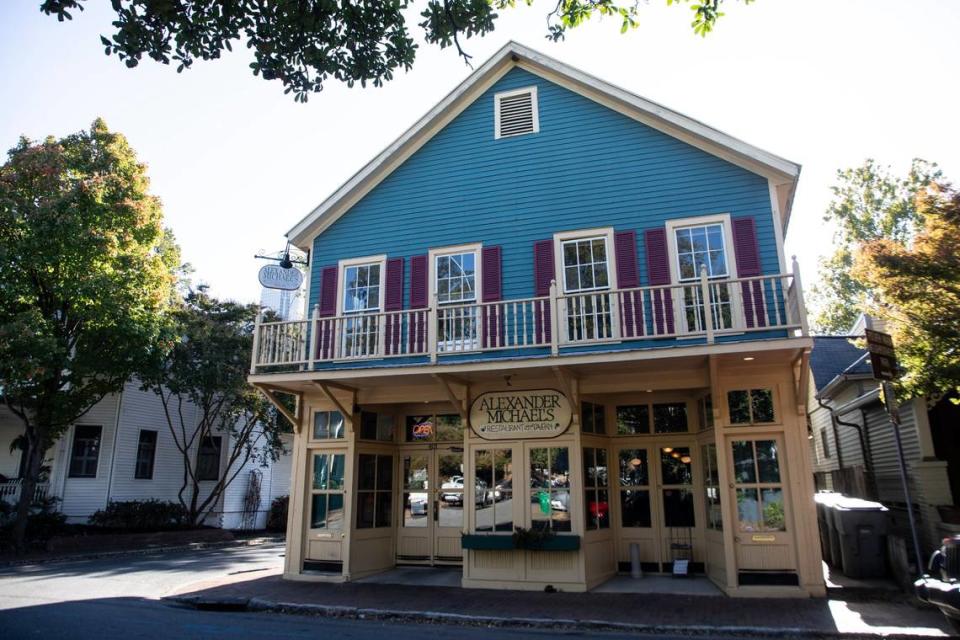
(862, 527)
(824, 501)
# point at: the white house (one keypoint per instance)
(122, 449)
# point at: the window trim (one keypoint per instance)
(673, 226)
(153, 457)
(535, 108)
(73, 440)
(474, 247)
(585, 234)
(342, 282)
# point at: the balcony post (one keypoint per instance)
(801, 306)
(707, 307)
(432, 319)
(554, 319)
(314, 328)
(254, 355)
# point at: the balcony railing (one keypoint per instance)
(554, 322)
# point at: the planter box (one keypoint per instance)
(488, 542)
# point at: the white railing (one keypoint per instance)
(10, 491)
(736, 305)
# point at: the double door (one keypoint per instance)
(433, 499)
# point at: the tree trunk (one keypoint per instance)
(27, 489)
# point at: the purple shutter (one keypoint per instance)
(658, 274)
(628, 277)
(419, 299)
(748, 265)
(393, 301)
(543, 275)
(491, 291)
(328, 309)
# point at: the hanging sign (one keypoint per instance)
(274, 276)
(523, 413)
(883, 358)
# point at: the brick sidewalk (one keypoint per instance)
(639, 612)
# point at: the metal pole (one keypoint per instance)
(891, 401)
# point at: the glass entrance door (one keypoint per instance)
(432, 486)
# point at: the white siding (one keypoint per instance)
(272, 479)
(886, 467)
(82, 496)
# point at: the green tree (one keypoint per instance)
(303, 43)
(869, 203)
(86, 271)
(915, 290)
(201, 381)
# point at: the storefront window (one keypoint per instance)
(327, 425)
(670, 417)
(753, 406)
(493, 506)
(415, 491)
(759, 492)
(711, 483)
(633, 419)
(596, 488)
(374, 491)
(592, 419)
(634, 488)
(705, 408)
(550, 488)
(452, 488)
(326, 509)
(434, 428)
(676, 469)
(376, 426)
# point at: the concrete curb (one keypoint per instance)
(193, 546)
(435, 617)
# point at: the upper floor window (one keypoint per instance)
(585, 265)
(516, 113)
(85, 452)
(361, 287)
(701, 245)
(456, 277)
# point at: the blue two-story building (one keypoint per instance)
(552, 336)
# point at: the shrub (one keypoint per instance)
(43, 523)
(141, 515)
(277, 518)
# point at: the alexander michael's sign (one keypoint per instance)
(274, 276)
(531, 413)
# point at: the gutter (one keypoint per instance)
(857, 403)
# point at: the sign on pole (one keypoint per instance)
(883, 359)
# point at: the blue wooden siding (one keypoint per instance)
(587, 167)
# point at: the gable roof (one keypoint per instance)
(782, 173)
(835, 356)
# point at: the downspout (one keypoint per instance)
(868, 454)
(864, 449)
(836, 435)
(116, 438)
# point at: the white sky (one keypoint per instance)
(826, 83)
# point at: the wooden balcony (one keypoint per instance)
(550, 325)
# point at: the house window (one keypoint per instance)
(455, 284)
(633, 419)
(750, 406)
(327, 425)
(596, 488)
(85, 452)
(208, 458)
(586, 272)
(585, 264)
(516, 113)
(494, 472)
(825, 442)
(326, 491)
(704, 245)
(711, 484)
(146, 453)
(376, 426)
(592, 418)
(362, 293)
(374, 491)
(634, 488)
(550, 489)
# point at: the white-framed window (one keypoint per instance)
(455, 277)
(703, 241)
(515, 113)
(584, 261)
(361, 296)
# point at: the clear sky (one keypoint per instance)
(826, 83)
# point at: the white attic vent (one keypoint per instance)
(515, 112)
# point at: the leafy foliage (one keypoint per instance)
(86, 270)
(140, 515)
(303, 43)
(869, 203)
(277, 517)
(916, 291)
(206, 367)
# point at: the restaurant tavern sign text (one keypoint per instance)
(533, 413)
